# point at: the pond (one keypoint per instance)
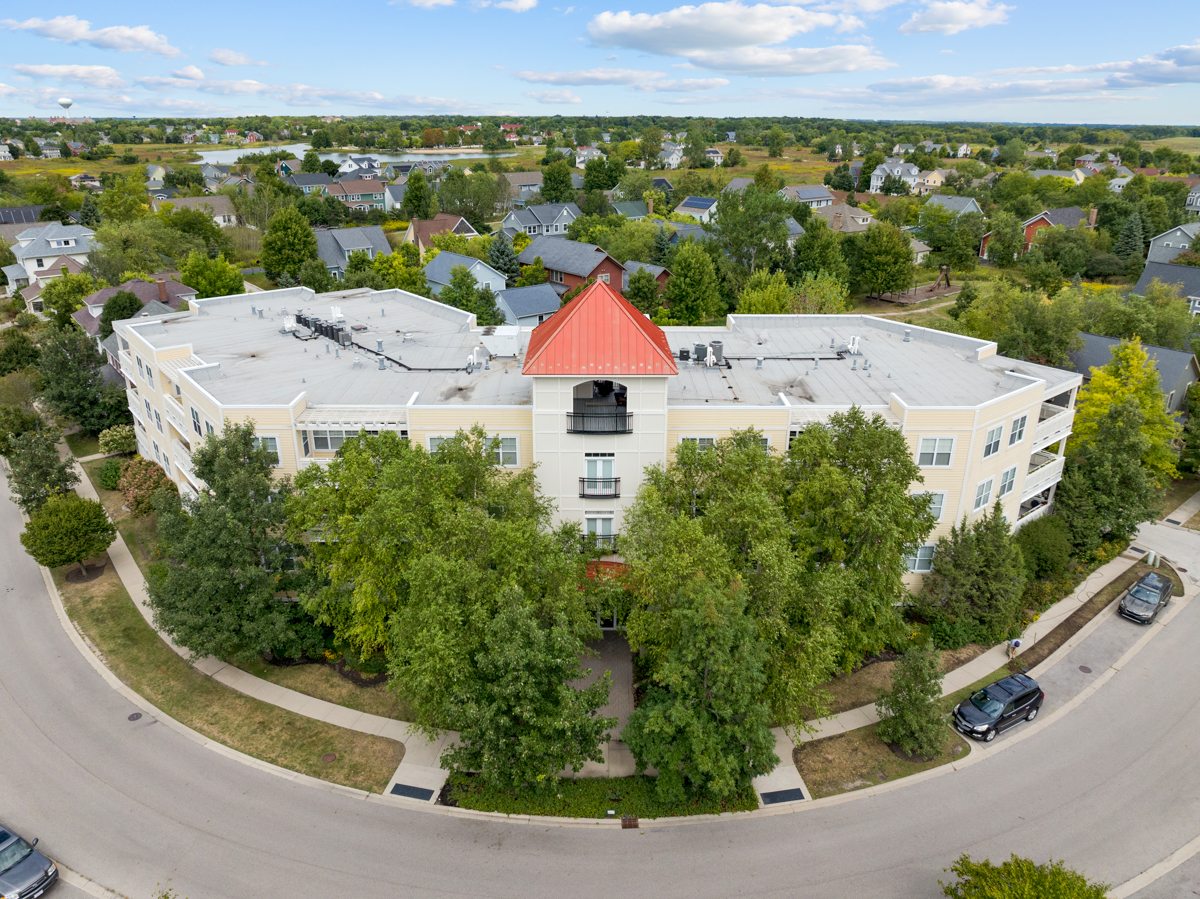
(230, 155)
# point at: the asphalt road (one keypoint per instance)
(1113, 788)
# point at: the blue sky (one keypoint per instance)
(1050, 61)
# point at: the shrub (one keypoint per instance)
(15, 421)
(67, 529)
(118, 439)
(108, 475)
(909, 715)
(140, 480)
(1046, 547)
(1018, 878)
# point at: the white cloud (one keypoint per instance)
(710, 26)
(588, 76)
(682, 85)
(96, 76)
(71, 30)
(422, 4)
(953, 16)
(563, 96)
(517, 5)
(233, 58)
(191, 73)
(1175, 65)
(768, 61)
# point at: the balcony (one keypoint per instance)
(606, 543)
(1031, 510)
(600, 422)
(1045, 470)
(126, 363)
(174, 411)
(1054, 424)
(602, 488)
(182, 458)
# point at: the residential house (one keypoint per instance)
(1068, 217)
(311, 183)
(170, 294)
(670, 156)
(45, 251)
(586, 154)
(1116, 185)
(920, 249)
(957, 205)
(661, 275)
(713, 155)
(393, 197)
(731, 137)
(285, 167)
(1177, 370)
(737, 185)
(216, 173)
(594, 396)
(845, 219)
(75, 147)
(219, 206)
(365, 194)
(964, 151)
(930, 181)
(253, 137)
(335, 245)
(680, 136)
(437, 272)
(163, 193)
(663, 184)
(360, 167)
(1098, 161)
(683, 231)
(528, 307)
(546, 219)
(902, 149)
(1192, 204)
(156, 173)
(1041, 154)
(814, 196)
(605, 137)
(5, 153)
(18, 215)
(905, 171)
(523, 185)
(51, 151)
(1075, 176)
(84, 181)
(1185, 277)
(570, 263)
(701, 208)
(422, 231)
(634, 210)
(1166, 246)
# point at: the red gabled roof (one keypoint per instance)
(598, 333)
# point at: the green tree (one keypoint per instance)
(402, 270)
(1131, 241)
(124, 199)
(288, 243)
(17, 351)
(36, 473)
(14, 422)
(694, 149)
(419, 201)
(503, 258)
(776, 141)
(651, 145)
(661, 248)
(314, 274)
(224, 556)
(751, 227)
(1007, 240)
(312, 162)
(643, 292)
(819, 249)
(65, 294)
(211, 277)
(473, 196)
(557, 186)
(534, 273)
(523, 722)
(89, 212)
(963, 300)
(67, 529)
(321, 140)
(894, 186)
(871, 162)
(886, 261)
(1019, 878)
(121, 306)
(910, 715)
(692, 293)
(118, 439)
(820, 293)
(704, 723)
(73, 385)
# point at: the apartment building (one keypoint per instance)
(594, 394)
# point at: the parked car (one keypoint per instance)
(1147, 597)
(24, 872)
(999, 706)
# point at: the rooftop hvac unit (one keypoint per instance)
(699, 351)
(684, 354)
(718, 351)
(302, 319)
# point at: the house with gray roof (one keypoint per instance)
(670, 156)
(1192, 204)
(528, 307)
(547, 219)
(393, 196)
(311, 183)
(702, 208)
(45, 250)
(365, 167)
(1177, 370)
(634, 210)
(957, 205)
(660, 274)
(737, 185)
(663, 184)
(335, 246)
(897, 168)
(1185, 277)
(1166, 246)
(1076, 176)
(523, 185)
(814, 196)
(681, 231)
(219, 206)
(570, 263)
(438, 272)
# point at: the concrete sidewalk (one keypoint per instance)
(1183, 513)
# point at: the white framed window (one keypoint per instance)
(983, 494)
(792, 435)
(166, 460)
(331, 441)
(196, 421)
(139, 362)
(554, 275)
(922, 559)
(599, 465)
(304, 444)
(702, 442)
(1017, 434)
(600, 530)
(1008, 480)
(271, 444)
(991, 445)
(505, 451)
(936, 452)
(604, 277)
(157, 455)
(158, 421)
(149, 414)
(937, 503)
(208, 428)
(435, 443)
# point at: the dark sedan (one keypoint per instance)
(999, 706)
(24, 872)
(1147, 598)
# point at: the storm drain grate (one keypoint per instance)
(775, 796)
(412, 792)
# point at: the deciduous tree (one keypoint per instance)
(910, 716)
(692, 294)
(288, 243)
(73, 385)
(67, 529)
(36, 472)
(211, 277)
(121, 306)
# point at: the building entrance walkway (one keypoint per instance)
(610, 653)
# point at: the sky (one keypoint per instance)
(953, 60)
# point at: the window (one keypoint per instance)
(158, 420)
(150, 376)
(1008, 481)
(196, 421)
(139, 361)
(599, 465)
(41, 263)
(505, 451)
(270, 444)
(936, 452)
(208, 428)
(156, 453)
(922, 559)
(792, 435)
(983, 494)
(1017, 434)
(702, 442)
(604, 277)
(148, 414)
(166, 463)
(991, 445)
(600, 531)
(554, 275)
(937, 502)
(435, 443)
(304, 443)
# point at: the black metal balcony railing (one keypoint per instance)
(599, 423)
(603, 487)
(605, 542)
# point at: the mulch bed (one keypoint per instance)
(91, 572)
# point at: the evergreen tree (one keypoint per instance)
(1130, 242)
(503, 258)
(121, 306)
(1002, 580)
(910, 716)
(693, 294)
(963, 300)
(643, 292)
(419, 201)
(662, 246)
(312, 163)
(89, 212)
(485, 308)
(288, 244)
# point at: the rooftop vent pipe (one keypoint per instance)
(252, 310)
(759, 362)
(382, 364)
(379, 345)
(907, 335)
(260, 313)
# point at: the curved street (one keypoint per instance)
(1112, 788)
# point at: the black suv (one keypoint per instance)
(1147, 598)
(999, 706)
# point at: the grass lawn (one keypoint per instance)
(260, 280)
(135, 653)
(1178, 492)
(858, 759)
(589, 797)
(322, 682)
(862, 687)
(82, 444)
